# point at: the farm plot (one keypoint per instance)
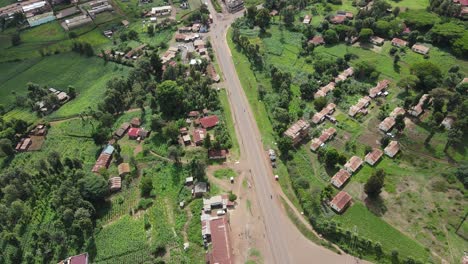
(60, 71)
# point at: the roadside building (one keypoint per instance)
(209, 121)
(379, 88)
(387, 124)
(399, 42)
(340, 178)
(374, 156)
(353, 164)
(115, 184)
(78, 259)
(124, 169)
(341, 201)
(234, 5)
(298, 131)
(421, 49)
(377, 40)
(221, 251)
(216, 202)
(217, 154)
(199, 189)
(392, 149)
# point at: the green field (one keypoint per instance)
(60, 71)
(366, 224)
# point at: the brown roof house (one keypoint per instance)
(373, 156)
(221, 249)
(320, 116)
(344, 75)
(326, 135)
(397, 111)
(298, 131)
(399, 42)
(122, 130)
(421, 49)
(115, 184)
(379, 88)
(392, 149)
(135, 122)
(315, 144)
(317, 40)
(124, 169)
(323, 91)
(217, 154)
(340, 178)
(338, 19)
(360, 106)
(340, 201)
(353, 164)
(199, 189)
(387, 124)
(418, 109)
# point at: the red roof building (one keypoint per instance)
(340, 178)
(338, 19)
(133, 132)
(340, 201)
(199, 135)
(353, 164)
(209, 121)
(399, 42)
(103, 161)
(79, 259)
(221, 252)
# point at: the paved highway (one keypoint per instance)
(284, 241)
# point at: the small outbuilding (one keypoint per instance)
(115, 184)
(135, 122)
(124, 169)
(199, 189)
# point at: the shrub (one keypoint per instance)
(232, 197)
(145, 203)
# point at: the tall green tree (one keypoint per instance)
(375, 183)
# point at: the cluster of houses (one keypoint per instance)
(388, 123)
(324, 90)
(341, 16)
(340, 202)
(400, 43)
(196, 131)
(34, 138)
(62, 97)
(133, 130)
(37, 12)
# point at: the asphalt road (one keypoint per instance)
(285, 242)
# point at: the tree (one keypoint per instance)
(100, 136)
(146, 186)
(93, 187)
(6, 148)
(207, 141)
(263, 19)
(331, 158)
(171, 131)
(150, 30)
(123, 37)
(330, 36)
(156, 122)
(320, 103)
(428, 73)
(408, 82)
(400, 122)
(15, 39)
(365, 34)
(71, 91)
(133, 35)
(170, 97)
(375, 183)
(174, 153)
(156, 65)
(285, 144)
(288, 16)
(454, 138)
